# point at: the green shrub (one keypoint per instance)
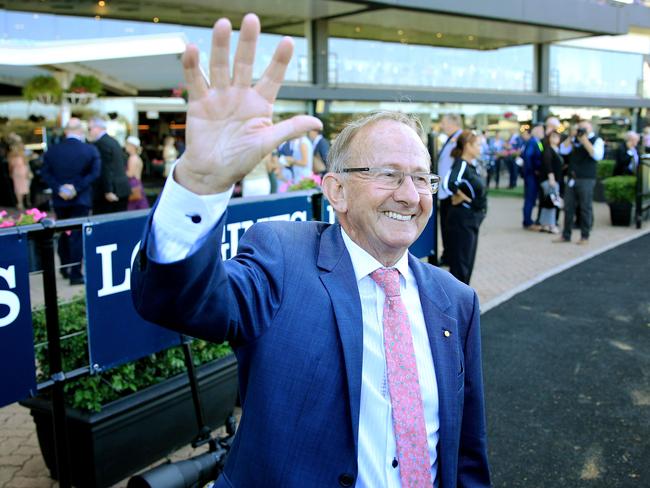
(605, 168)
(620, 188)
(89, 393)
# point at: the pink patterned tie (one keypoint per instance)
(403, 385)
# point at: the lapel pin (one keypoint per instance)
(446, 333)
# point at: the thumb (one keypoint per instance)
(290, 129)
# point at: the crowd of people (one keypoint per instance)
(290, 163)
(87, 171)
(556, 162)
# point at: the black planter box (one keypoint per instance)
(133, 432)
(620, 213)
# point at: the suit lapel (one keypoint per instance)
(444, 349)
(341, 284)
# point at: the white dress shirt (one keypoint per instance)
(181, 222)
(599, 147)
(446, 161)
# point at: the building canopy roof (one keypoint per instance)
(124, 65)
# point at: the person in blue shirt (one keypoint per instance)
(532, 156)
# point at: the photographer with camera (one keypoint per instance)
(585, 149)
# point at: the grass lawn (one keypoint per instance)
(517, 192)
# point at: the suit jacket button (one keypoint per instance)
(346, 480)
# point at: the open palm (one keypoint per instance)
(229, 122)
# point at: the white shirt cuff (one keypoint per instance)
(182, 220)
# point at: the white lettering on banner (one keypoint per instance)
(331, 216)
(108, 287)
(8, 298)
(230, 242)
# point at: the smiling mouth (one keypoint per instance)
(400, 217)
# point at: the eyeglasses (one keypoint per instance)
(392, 179)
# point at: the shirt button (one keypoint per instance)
(346, 480)
(446, 333)
(195, 218)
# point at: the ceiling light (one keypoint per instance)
(156, 20)
(470, 38)
(357, 29)
(439, 35)
(101, 3)
(400, 32)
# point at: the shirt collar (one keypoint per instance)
(364, 264)
(76, 136)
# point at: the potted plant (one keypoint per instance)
(83, 89)
(620, 193)
(145, 403)
(43, 89)
(604, 169)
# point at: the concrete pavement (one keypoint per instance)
(509, 260)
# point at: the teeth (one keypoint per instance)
(396, 216)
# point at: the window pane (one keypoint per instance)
(593, 72)
(393, 64)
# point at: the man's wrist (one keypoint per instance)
(200, 184)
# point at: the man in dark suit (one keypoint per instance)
(111, 190)
(321, 150)
(627, 156)
(358, 364)
(69, 169)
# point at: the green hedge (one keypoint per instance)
(620, 188)
(89, 393)
(605, 168)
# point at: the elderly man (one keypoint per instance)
(627, 156)
(69, 169)
(112, 189)
(359, 365)
(586, 148)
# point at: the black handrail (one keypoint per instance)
(642, 167)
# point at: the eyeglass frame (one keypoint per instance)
(434, 178)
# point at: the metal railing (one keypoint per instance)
(642, 189)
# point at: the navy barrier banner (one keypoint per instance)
(17, 366)
(421, 248)
(116, 333)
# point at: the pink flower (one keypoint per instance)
(7, 223)
(3, 213)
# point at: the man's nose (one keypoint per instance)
(406, 191)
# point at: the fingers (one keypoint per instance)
(220, 55)
(290, 129)
(269, 85)
(245, 55)
(196, 86)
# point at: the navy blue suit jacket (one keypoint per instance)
(74, 162)
(289, 305)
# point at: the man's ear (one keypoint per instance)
(335, 192)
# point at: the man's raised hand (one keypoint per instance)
(229, 122)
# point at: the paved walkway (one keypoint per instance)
(509, 260)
